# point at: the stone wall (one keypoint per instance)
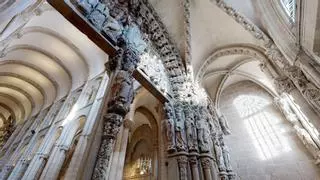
(263, 145)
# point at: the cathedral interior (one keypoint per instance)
(160, 89)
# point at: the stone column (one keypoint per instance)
(219, 157)
(194, 167)
(25, 159)
(206, 166)
(182, 165)
(119, 153)
(12, 138)
(21, 138)
(57, 157)
(117, 106)
(38, 162)
(123, 150)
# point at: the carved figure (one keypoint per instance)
(226, 155)
(113, 26)
(168, 126)
(134, 37)
(191, 131)
(85, 6)
(219, 154)
(122, 93)
(203, 131)
(179, 129)
(224, 125)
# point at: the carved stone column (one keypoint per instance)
(193, 161)
(118, 104)
(226, 158)
(206, 166)
(182, 165)
(219, 157)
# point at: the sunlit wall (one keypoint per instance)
(263, 145)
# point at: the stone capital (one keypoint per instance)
(284, 84)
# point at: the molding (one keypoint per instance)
(29, 81)
(4, 106)
(245, 75)
(236, 49)
(47, 31)
(43, 52)
(18, 103)
(226, 77)
(34, 68)
(23, 92)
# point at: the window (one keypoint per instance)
(290, 8)
(263, 126)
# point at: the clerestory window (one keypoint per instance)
(290, 8)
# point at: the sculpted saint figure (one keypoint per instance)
(191, 131)
(203, 130)
(219, 154)
(168, 126)
(179, 128)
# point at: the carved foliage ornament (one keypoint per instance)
(284, 84)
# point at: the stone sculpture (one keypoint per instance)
(168, 126)
(179, 128)
(191, 131)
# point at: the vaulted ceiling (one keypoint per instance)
(43, 57)
(220, 46)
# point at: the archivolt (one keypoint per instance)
(236, 49)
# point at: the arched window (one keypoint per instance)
(290, 8)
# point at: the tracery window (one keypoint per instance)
(290, 8)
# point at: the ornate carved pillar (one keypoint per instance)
(206, 166)
(183, 165)
(118, 103)
(219, 157)
(193, 161)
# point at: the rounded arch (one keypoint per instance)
(49, 32)
(43, 52)
(235, 49)
(7, 108)
(28, 67)
(149, 115)
(14, 103)
(25, 93)
(227, 74)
